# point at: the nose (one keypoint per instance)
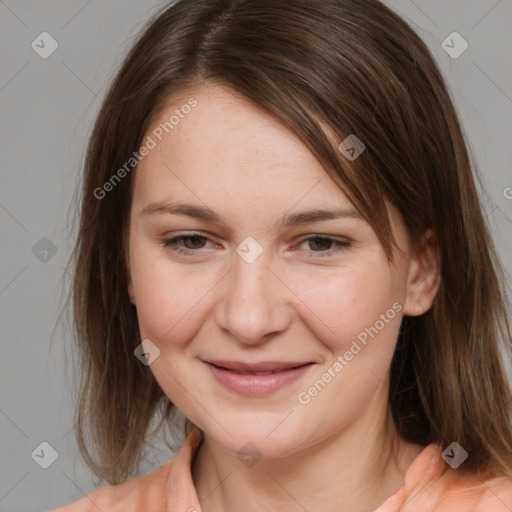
(255, 304)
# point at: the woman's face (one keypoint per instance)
(259, 285)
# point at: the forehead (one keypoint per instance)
(225, 149)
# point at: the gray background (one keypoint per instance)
(47, 108)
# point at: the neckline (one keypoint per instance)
(182, 494)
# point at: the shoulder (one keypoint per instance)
(155, 491)
(137, 494)
(496, 495)
(431, 484)
(465, 491)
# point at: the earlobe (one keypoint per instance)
(424, 276)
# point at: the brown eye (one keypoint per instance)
(324, 245)
(186, 244)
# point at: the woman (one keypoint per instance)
(281, 238)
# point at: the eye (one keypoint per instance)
(324, 245)
(186, 244)
(319, 245)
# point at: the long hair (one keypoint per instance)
(327, 69)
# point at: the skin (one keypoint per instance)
(298, 301)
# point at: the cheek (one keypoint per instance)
(350, 304)
(170, 299)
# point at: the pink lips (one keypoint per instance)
(258, 378)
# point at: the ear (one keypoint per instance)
(424, 276)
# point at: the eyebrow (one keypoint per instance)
(286, 221)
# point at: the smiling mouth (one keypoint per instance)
(256, 379)
(268, 372)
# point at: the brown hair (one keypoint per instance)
(357, 68)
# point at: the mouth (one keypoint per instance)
(243, 372)
(262, 368)
(255, 379)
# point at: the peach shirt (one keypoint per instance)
(430, 486)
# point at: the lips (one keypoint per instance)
(262, 368)
(256, 379)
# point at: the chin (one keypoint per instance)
(267, 439)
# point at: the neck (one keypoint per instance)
(353, 470)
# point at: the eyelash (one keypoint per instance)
(172, 244)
